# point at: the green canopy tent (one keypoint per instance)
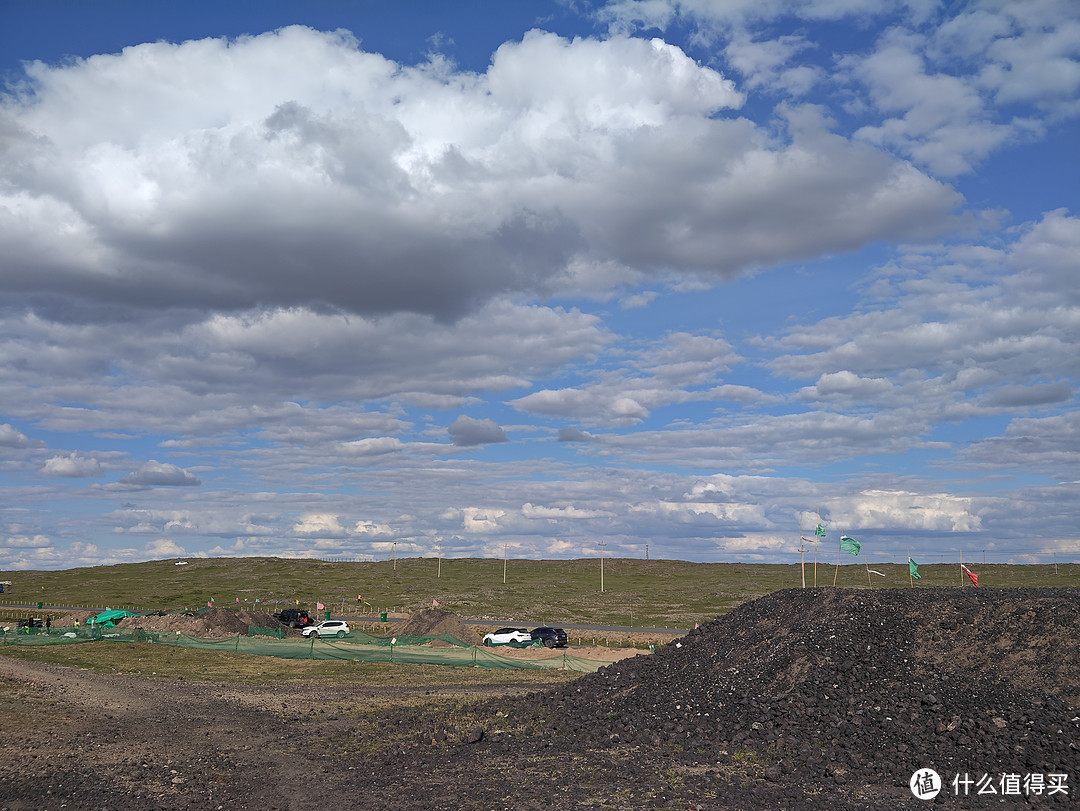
(108, 619)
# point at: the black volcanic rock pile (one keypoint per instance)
(836, 686)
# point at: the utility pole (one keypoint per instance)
(601, 567)
(440, 563)
(504, 563)
(393, 555)
(646, 551)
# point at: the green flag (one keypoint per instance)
(850, 545)
(913, 569)
(820, 531)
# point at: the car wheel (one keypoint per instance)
(340, 634)
(487, 643)
(292, 624)
(549, 643)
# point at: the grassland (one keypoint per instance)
(644, 594)
(638, 593)
(170, 663)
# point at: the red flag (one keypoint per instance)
(435, 603)
(974, 577)
(319, 606)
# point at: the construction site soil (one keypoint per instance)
(812, 698)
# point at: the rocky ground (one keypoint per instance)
(814, 698)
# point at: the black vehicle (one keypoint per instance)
(293, 617)
(551, 637)
(29, 622)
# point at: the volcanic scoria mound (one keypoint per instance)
(831, 687)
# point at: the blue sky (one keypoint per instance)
(335, 279)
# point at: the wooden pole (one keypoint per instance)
(911, 580)
(836, 571)
(867, 564)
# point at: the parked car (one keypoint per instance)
(338, 628)
(293, 617)
(518, 637)
(551, 637)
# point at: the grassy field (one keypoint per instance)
(643, 594)
(638, 593)
(166, 662)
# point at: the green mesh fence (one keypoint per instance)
(254, 630)
(39, 637)
(361, 638)
(406, 650)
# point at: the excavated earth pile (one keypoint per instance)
(432, 622)
(856, 687)
(213, 623)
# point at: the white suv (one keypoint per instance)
(338, 628)
(515, 637)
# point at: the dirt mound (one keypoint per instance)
(213, 624)
(856, 686)
(432, 622)
(260, 619)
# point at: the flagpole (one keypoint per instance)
(867, 564)
(836, 571)
(911, 580)
(961, 568)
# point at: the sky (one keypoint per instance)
(648, 278)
